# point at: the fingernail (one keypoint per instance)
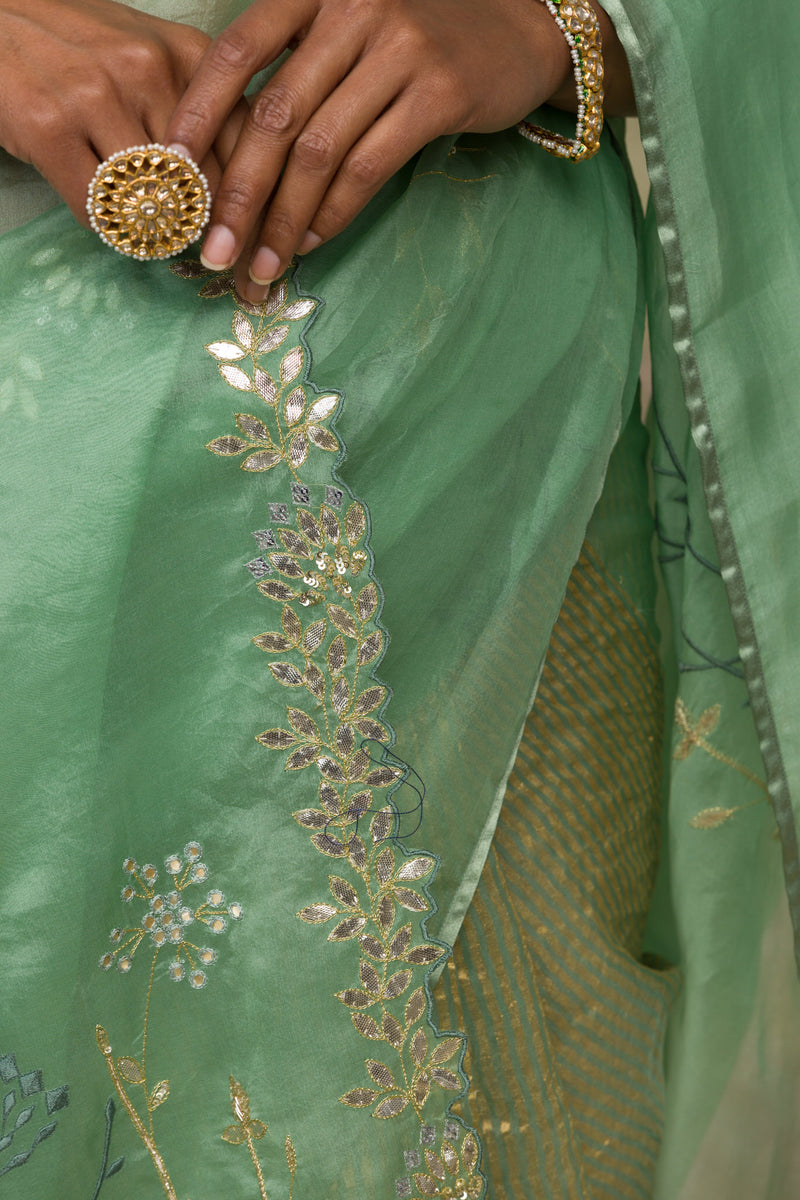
(177, 148)
(218, 248)
(265, 266)
(309, 242)
(256, 293)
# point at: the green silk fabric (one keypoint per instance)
(478, 333)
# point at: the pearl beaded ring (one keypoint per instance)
(148, 202)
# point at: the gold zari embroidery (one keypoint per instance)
(325, 650)
(695, 736)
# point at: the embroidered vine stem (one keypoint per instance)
(136, 1121)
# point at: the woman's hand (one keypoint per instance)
(81, 79)
(370, 82)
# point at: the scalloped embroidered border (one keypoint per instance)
(312, 567)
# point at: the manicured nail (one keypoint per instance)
(265, 266)
(256, 293)
(177, 148)
(218, 248)
(309, 242)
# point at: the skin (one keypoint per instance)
(369, 83)
(81, 79)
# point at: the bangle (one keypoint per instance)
(578, 23)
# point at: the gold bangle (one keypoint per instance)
(579, 25)
(148, 202)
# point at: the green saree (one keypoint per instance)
(275, 738)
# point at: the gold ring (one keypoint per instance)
(148, 202)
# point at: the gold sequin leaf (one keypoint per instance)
(367, 601)
(291, 1156)
(400, 942)
(322, 437)
(357, 852)
(392, 1106)
(159, 1094)
(327, 844)
(343, 891)
(343, 621)
(419, 1047)
(253, 428)
(227, 446)
(380, 1073)
(287, 674)
(371, 946)
(370, 648)
(291, 624)
(435, 1164)
(370, 699)
(262, 460)
(446, 1049)
(423, 955)
(330, 525)
(322, 407)
(291, 365)
(383, 776)
(359, 1097)
(303, 724)
(446, 1079)
(272, 642)
(293, 406)
(317, 914)
(415, 868)
(384, 865)
(356, 998)
(415, 1007)
(347, 929)
(410, 900)
(355, 523)
(298, 309)
(469, 1153)
(236, 377)
(273, 338)
(314, 636)
(225, 351)
(131, 1070)
(301, 758)
(276, 589)
(426, 1184)
(393, 1030)
(397, 984)
(369, 977)
(710, 818)
(277, 739)
(385, 913)
(367, 1027)
(243, 331)
(311, 818)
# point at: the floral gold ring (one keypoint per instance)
(148, 202)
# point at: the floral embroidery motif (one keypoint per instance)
(20, 1103)
(695, 734)
(165, 925)
(325, 647)
(292, 421)
(246, 1129)
(168, 920)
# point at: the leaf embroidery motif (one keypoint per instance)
(325, 651)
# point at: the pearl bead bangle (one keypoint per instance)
(578, 23)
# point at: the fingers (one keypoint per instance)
(314, 159)
(277, 118)
(399, 134)
(251, 42)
